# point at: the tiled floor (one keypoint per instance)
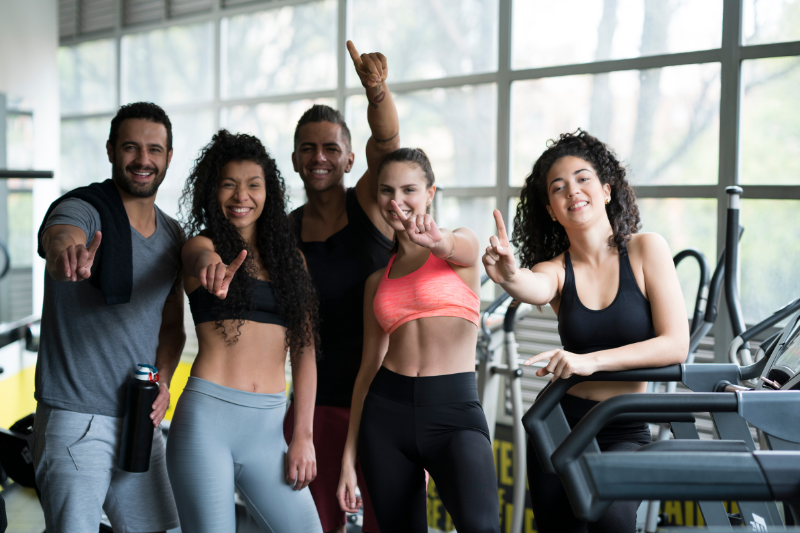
(23, 510)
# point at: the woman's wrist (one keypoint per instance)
(444, 249)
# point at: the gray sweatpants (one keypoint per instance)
(220, 437)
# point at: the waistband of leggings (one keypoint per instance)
(427, 390)
(257, 400)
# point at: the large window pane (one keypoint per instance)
(83, 152)
(684, 223)
(582, 31)
(770, 136)
(291, 49)
(87, 77)
(426, 39)
(169, 66)
(20, 145)
(274, 124)
(771, 22)
(475, 214)
(663, 123)
(770, 253)
(190, 133)
(456, 127)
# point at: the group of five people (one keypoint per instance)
(375, 304)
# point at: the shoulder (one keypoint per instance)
(172, 226)
(645, 245)
(75, 212)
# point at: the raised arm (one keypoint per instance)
(67, 256)
(372, 70)
(671, 341)
(537, 286)
(202, 263)
(376, 342)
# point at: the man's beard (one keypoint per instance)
(139, 190)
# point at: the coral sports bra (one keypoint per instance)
(432, 290)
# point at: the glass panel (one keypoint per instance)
(426, 39)
(20, 229)
(19, 141)
(190, 132)
(169, 66)
(87, 77)
(770, 253)
(291, 49)
(663, 123)
(684, 223)
(770, 136)
(456, 127)
(611, 29)
(274, 124)
(83, 152)
(475, 214)
(770, 22)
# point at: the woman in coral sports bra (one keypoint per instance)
(415, 403)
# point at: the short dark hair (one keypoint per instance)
(324, 113)
(144, 110)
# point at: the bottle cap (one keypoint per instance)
(147, 373)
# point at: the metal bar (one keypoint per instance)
(760, 51)
(503, 150)
(614, 65)
(341, 57)
(752, 192)
(26, 174)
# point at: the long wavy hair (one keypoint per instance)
(536, 236)
(276, 245)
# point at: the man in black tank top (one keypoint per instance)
(344, 239)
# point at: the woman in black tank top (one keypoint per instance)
(616, 294)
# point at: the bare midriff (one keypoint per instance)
(603, 390)
(255, 363)
(432, 346)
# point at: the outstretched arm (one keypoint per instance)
(372, 70)
(376, 342)
(68, 258)
(203, 263)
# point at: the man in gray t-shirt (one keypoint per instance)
(89, 348)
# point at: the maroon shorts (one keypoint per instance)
(330, 434)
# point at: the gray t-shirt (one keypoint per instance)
(88, 350)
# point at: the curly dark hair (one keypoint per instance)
(537, 237)
(277, 247)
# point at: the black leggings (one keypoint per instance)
(433, 423)
(551, 508)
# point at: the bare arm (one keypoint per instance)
(671, 341)
(66, 254)
(301, 461)
(202, 262)
(372, 70)
(376, 342)
(171, 338)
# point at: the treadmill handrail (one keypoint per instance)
(702, 288)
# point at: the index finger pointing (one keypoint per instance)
(95, 243)
(233, 267)
(501, 226)
(398, 211)
(354, 55)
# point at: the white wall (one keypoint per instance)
(28, 69)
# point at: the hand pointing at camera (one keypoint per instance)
(499, 258)
(421, 229)
(217, 277)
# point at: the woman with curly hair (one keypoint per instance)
(615, 292)
(252, 301)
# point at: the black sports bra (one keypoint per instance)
(203, 305)
(627, 320)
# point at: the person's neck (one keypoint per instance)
(249, 236)
(327, 205)
(590, 245)
(141, 211)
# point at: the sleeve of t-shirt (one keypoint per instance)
(78, 213)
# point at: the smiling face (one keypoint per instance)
(575, 192)
(321, 157)
(241, 192)
(404, 183)
(140, 159)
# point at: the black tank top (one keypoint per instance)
(627, 320)
(340, 267)
(203, 306)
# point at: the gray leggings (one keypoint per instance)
(220, 437)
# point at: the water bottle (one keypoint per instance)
(137, 426)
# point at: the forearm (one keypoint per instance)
(455, 248)
(356, 407)
(54, 247)
(304, 384)
(657, 352)
(528, 287)
(168, 353)
(382, 116)
(201, 261)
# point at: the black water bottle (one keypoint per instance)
(137, 426)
